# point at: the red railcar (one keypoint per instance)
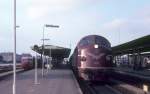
(92, 58)
(27, 62)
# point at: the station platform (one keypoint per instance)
(58, 81)
(143, 74)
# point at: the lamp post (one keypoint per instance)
(36, 48)
(14, 44)
(36, 75)
(43, 59)
(14, 60)
(50, 57)
(14, 53)
(46, 25)
(49, 60)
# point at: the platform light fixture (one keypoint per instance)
(54, 26)
(45, 39)
(36, 49)
(17, 26)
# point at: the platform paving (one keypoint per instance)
(54, 82)
(143, 74)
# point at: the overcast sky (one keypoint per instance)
(76, 18)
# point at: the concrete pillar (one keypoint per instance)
(115, 60)
(41, 61)
(134, 60)
(120, 59)
(128, 60)
(139, 59)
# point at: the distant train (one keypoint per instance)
(92, 58)
(26, 62)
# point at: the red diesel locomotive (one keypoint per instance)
(92, 59)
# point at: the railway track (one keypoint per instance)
(7, 70)
(111, 87)
(127, 88)
(3, 70)
(98, 88)
(103, 89)
(8, 67)
(132, 80)
(7, 73)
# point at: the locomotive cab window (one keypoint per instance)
(86, 42)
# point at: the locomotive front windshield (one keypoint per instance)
(86, 41)
(102, 42)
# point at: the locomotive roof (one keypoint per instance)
(91, 36)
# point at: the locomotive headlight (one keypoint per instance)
(96, 46)
(82, 56)
(82, 52)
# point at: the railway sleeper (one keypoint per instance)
(125, 88)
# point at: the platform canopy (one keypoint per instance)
(53, 51)
(138, 45)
